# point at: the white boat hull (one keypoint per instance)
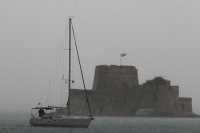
(81, 122)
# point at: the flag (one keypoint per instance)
(123, 54)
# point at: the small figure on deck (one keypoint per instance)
(41, 112)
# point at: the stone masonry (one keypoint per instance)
(116, 92)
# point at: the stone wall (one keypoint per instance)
(168, 99)
(185, 105)
(162, 98)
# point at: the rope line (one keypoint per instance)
(86, 94)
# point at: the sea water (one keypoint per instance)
(20, 124)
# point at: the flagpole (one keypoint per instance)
(120, 59)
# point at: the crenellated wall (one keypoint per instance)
(116, 92)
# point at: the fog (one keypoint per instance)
(160, 38)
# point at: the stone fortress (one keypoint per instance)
(117, 92)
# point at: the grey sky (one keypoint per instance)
(160, 37)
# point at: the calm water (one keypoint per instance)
(20, 124)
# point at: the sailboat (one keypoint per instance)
(55, 116)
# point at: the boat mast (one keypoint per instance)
(71, 30)
(69, 81)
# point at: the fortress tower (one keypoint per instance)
(115, 77)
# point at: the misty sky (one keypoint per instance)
(160, 38)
